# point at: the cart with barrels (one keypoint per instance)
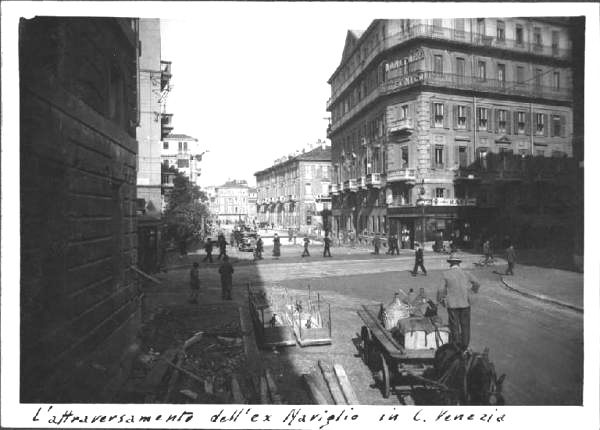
(401, 359)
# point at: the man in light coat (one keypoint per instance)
(454, 294)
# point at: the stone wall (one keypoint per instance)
(79, 296)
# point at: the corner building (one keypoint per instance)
(439, 124)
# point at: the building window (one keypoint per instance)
(438, 65)
(556, 80)
(404, 112)
(482, 118)
(537, 36)
(519, 34)
(438, 115)
(481, 26)
(556, 125)
(165, 145)
(521, 122)
(555, 36)
(183, 163)
(461, 117)
(482, 157)
(460, 66)
(439, 156)
(404, 157)
(481, 70)
(462, 156)
(166, 163)
(540, 126)
(500, 31)
(539, 152)
(501, 74)
(439, 193)
(459, 25)
(502, 114)
(520, 74)
(538, 77)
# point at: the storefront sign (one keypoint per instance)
(454, 202)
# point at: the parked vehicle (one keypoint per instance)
(248, 241)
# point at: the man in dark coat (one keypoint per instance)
(327, 245)
(510, 258)
(305, 253)
(222, 246)
(226, 272)
(259, 247)
(276, 246)
(393, 247)
(419, 260)
(208, 247)
(454, 294)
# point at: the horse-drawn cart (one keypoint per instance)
(400, 368)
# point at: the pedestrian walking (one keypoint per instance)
(455, 294)
(326, 246)
(510, 258)
(231, 239)
(419, 260)
(194, 283)
(290, 234)
(208, 248)
(487, 252)
(276, 246)
(259, 247)
(377, 243)
(393, 248)
(222, 246)
(226, 272)
(305, 253)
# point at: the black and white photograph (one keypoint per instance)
(279, 215)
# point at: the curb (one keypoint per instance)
(514, 287)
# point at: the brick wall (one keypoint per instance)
(78, 226)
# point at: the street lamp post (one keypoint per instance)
(421, 203)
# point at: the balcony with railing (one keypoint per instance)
(165, 75)
(374, 180)
(401, 126)
(431, 32)
(401, 175)
(166, 124)
(399, 202)
(459, 82)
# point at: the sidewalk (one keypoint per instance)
(559, 287)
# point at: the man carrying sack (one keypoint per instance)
(454, 294)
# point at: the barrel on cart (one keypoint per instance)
(401, 356)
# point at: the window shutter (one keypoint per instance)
(490, 118)
(516, 122)
(496, 120)
(432, 156)
(563, 126)
(552, 127)
(432, 115)
(468, 113)
(455, 115)
(508, 122)
(446, 156)
(546, 124)
(457, 154)
(446, 116)
(528, 123)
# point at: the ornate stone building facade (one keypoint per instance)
(438, 124)
(294, 192)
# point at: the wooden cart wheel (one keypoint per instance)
(365, 348)
(385, 376)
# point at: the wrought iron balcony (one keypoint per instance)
(399, 202)
(165, 76)
(402, 125)
(374, 179)
(401, 175)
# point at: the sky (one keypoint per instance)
(252, 87)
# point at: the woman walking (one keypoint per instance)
(276, 247)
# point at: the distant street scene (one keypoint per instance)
(404, 228)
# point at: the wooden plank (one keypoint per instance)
(345, 384)
(185, 371)
(236, 391)
(332, 383)
(274, 393)
(144, 274)
(317, 397)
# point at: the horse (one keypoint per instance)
(470, 376)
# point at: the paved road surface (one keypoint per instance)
(538, 346)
